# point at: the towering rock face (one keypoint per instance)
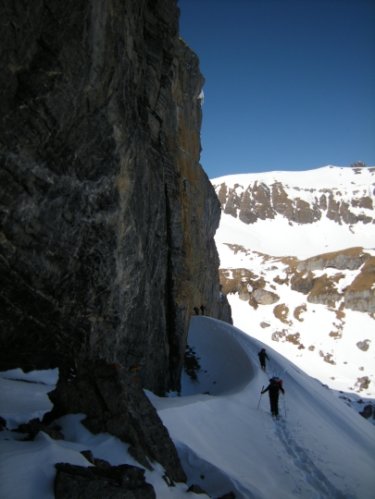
(107, 219)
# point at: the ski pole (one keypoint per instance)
(260, 397)
(284, 406)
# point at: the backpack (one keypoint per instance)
(275, 381)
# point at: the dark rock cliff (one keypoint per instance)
(107, 218)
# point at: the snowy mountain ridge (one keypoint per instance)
(342, 195)
(297, 261)
(325, 177)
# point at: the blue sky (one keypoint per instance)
(290, 84)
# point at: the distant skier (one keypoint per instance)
(273, 389)
(262, 358)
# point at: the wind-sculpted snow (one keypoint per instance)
(309, 470)
(227, 439)
(27, 399)
(224, 366)
(304, 455)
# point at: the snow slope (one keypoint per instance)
(304, 455)
(319, 449)
(327, 338)
(280, 237)
(27, 467)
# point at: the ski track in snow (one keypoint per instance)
(308, 468)
(310, 482)
(310, 473)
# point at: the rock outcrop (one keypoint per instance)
(113, 403)
(255, 200)
(346, 259)
(358, 294)
(117, 482)
(107, 218)
(319, 278)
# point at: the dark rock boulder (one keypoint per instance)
(264, 297)
(196, 489)
(368, 411)
(302, 282)
(325, 291)
(113, 402)
(33, 427)
(115, 482)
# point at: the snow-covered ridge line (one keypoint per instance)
(324, 177)
(307, 213)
